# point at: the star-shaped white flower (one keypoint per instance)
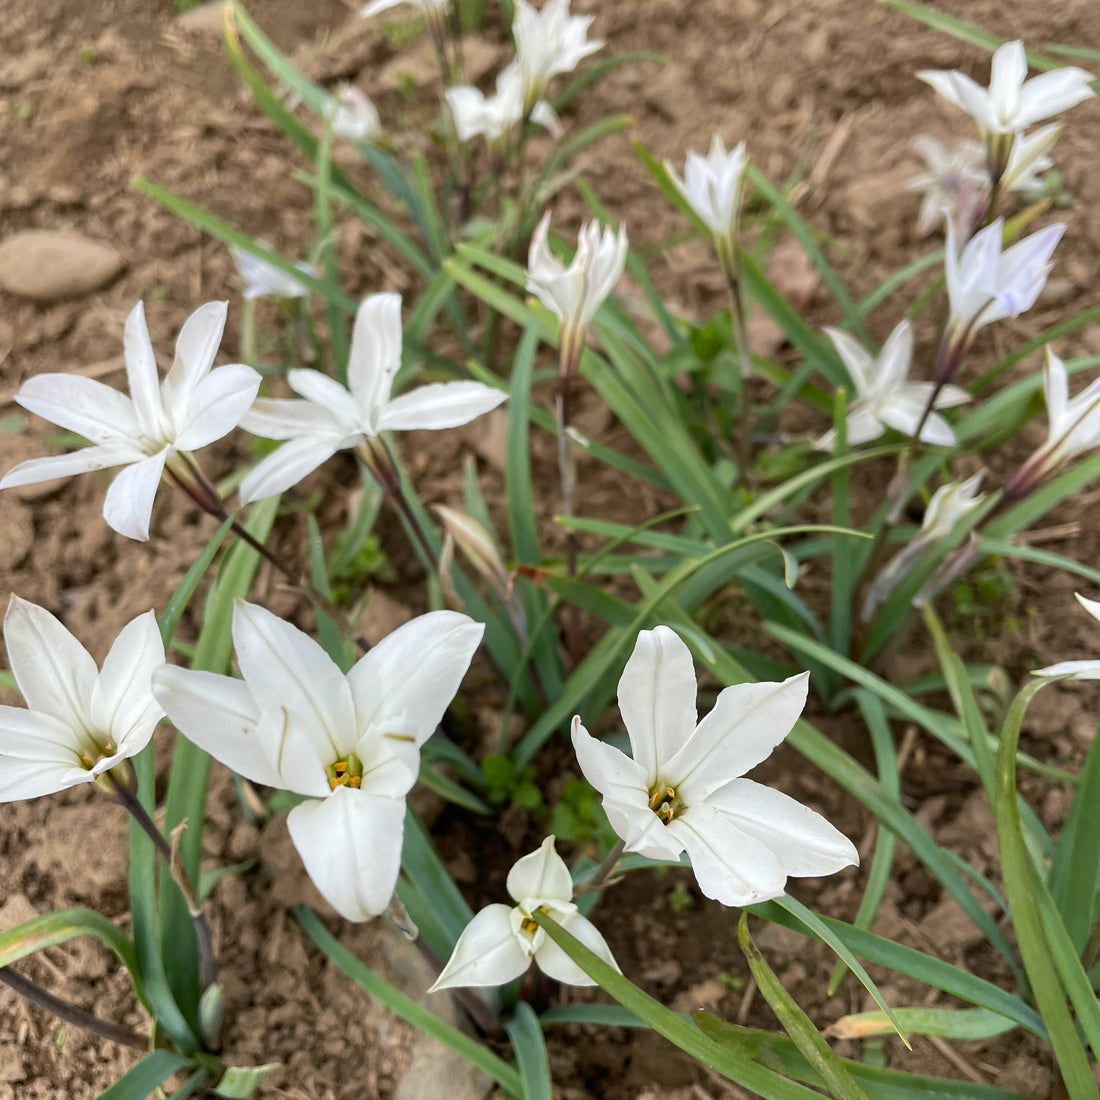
(264, 280)
(712, 187)
(986, 284)
(574, 293)
(501, 940)
(1011, 102)
(885, 397)
(350, 743)
(955, 185)
(332, 418)
(548, 42)
(80, 721)
(147, 430)
(493, 117)
(1076, 670)
(684, 789)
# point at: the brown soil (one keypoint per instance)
(92, 93)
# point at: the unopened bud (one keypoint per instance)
(477, 546)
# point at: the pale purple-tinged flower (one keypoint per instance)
(955, 184)
(265, 280)
(148, 431)
(1028, 159)
(332, 418)
(492, 117)
(80, 721)
(350, 743)
(354, 116)
(712, 186)
(1074, 427)
(548, 43)
(885, 398)
(1076, 670)
(1011, 103)
(574, 293)
(501, 940)
(986, 284)
(683, 789)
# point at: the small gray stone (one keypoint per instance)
(436, 1070)
(47, 265)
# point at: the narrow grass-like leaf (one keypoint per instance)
(600, 1015)
(146, 1077)
(1034, 949)
(947, 1023)
(50, 929)
(421, 862)
(683, 1033)
(525, 1031)
(824, 1060)
(898, 279)
(405, 1007)
(181, 597)
(451, 791)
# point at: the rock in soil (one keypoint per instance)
(47, 266)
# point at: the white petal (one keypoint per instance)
(487, 952)
(1077, 670)
(290, 418)
(937, 431)
(219, 715)
(197, 344)
(439, 405)
(542, 114)
(350, 844)
(406, 682)
(84, 461)
(329, 394)
(863, 426)
(855, 357)
(556, 964)
(286, 467)
(300, 757)
(892, 366)
(55, 673)
(657, 698)
(805, 843)
(218, 404)
(747, 722)
(128, 505)
(541, 875)
(1052, 93)
(31, 735)
(285, 667)
(1007, 73)
(730, 866)
(141, 373)
(375, 355)
(391, 765)
(1056, 391)
(122, 702)
(82, 405)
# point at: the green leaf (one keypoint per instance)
(405, 1007)
(947, 1023)
(50, 929)
(525, 1032)
(142, 1080)
(600, 1015)
(796, 1023)
(181, 597)
(239, 1082)
(683, 1033)
(1034, 949)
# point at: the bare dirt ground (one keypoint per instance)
(94, 93)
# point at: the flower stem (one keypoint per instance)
(70, 1013)
(567, 474)
(741, 336)
(208, 971)
(602, 873)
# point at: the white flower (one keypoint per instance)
(1076, 670)
(683, 788)
(712, 186)
(351, 743)
(548, 42)
(1011, 102)
(332, 418)
(575, 292)
(354, 116)
(494, 116)
(262, 279)
(1028, 160)
(885, 397)
(147, 431)
(1074, 427)
(429, 8)
(500, 942)
(80, 721)
(985, 284)
(955, 186)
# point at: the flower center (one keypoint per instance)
(95, 750)
(665, 803)
(345, 773)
